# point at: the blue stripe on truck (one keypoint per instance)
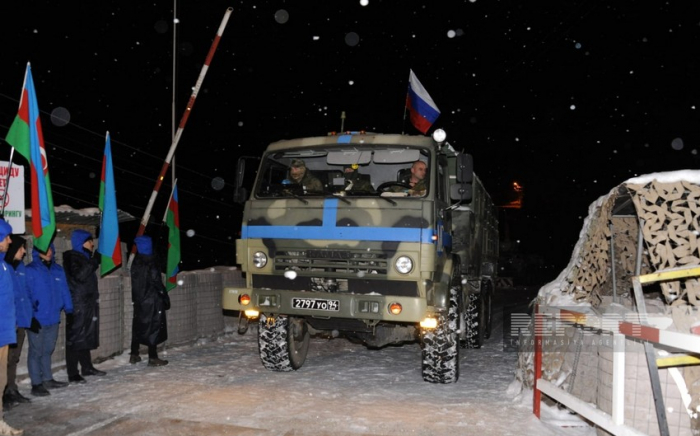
(329, 230)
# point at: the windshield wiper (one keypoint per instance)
(387, 199)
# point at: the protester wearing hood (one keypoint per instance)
(83, 328)
(23, 311)
(150, 300)
(48, 289)
(8, 323)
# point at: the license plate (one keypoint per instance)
(316, 304)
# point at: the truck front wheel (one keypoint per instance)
(282, 342)
(441, 345)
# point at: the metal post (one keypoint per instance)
(537, 395)
(648, 347)
(612, 262)
(618, 379)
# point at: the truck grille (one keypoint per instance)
(332, 263)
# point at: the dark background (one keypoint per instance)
(568, 99)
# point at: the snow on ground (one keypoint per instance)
(220, 387)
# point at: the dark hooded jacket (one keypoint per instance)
(83, 328)
(148, 295)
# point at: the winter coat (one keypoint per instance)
(48, 289)
(8, 325)
(149, 298)
(83, 328)
(23, 303)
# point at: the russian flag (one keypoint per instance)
(423, 109)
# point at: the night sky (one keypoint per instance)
(569, 99)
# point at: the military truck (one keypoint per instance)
(388, 264)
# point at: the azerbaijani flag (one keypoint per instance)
(109, 245)
(172, 219)
(26, 137)
(423, 109)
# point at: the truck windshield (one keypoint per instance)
(391, 171)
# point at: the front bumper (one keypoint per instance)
(350, 306)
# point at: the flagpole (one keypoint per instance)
(7, 182)
(173, 106)
(165, 215)
(405, 104)
(178, 134)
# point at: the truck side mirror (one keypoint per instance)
(240, 195)
(465, 168)
(461, 192)
(464, 172)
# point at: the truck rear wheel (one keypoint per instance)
(488, 315)
(282, 343)
(474, 321)
(441, 345)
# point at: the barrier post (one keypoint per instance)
(537, 395)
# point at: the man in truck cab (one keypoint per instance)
(353, 180)
(416, 179)
(300, 175)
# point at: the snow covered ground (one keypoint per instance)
(220, 388)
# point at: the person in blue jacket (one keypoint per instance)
(8, 323)
(23, 310)
(49, 292)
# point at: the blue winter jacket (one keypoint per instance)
(48, 289)
(23, 303)
(8, 326)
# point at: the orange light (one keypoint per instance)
(244, 299)
(395, 308)
(429, 323)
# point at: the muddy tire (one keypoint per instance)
(488, 315)
(279, 350)
(441, 345)
(473, 322)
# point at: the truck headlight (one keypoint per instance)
(259, 259)
(404, 264)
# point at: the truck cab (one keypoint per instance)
(355, 248)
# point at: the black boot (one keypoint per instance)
(13, 396)
(51, 384)
(157, 362)
(40, 390)
(76, 379)
(7, 405)
(93, 371)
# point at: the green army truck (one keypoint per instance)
(386, 264)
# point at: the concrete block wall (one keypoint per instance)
(195, 313)
(182, 316)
